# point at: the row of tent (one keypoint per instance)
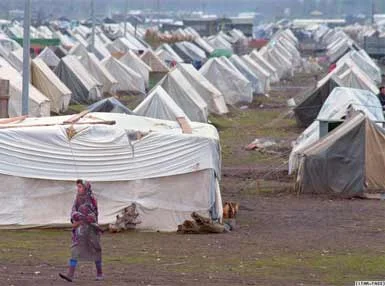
(343, 159)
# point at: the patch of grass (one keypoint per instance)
(77, 108)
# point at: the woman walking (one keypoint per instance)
(85, 231)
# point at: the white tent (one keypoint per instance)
(158, 104)
(85, 88)
(166, 174)
(185, 96)
(45, 80)
(135, 63)
(79, 50)
(49, 57)
(128, 80)
(265, 65)
(233, 85)
(210, 94)
(16, 59)
(335, 108)
(39, 105)
(100, 73)
(263, 75)
(166, 53)
(257, 83)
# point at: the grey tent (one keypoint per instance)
(110, 104)
(85, 88)
(346, 162)
(306, 111)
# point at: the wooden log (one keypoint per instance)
(13, 119)
(112, 122)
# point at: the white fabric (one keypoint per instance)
(210, 94)
(185, 96)
(192, 51)
(79, 50)
(16, 59)
(135, 63)
(49, 57)
(128, 80)
(233, 85)
(257, 84)
(263, 75)
(265, 65)
(99, 72)
(39, 105)
(166, 173)
(45, 80)
(158, 104)
(167, 54)
(204, 45)
(335, 108)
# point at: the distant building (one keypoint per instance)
(243, 23)
(204, 26)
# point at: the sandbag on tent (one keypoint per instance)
(347, 162)
(185, 96)
(265, 65)
(132, 61)
(128, 80)
(210, 94)
(85, 88)
(336, 107)
(158, 104)
(39, 105)
(257, 84)
(45, 80)
(49, 57)
(100, 73)
(234, 86)
(110, 104)
(140, 162)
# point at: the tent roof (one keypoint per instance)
(110, 104)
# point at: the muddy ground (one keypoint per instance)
(281, 238)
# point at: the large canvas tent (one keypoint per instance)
(158, 68)
(346, 162)
(233, 85)
(100, 73)
(210, 94)
(49, 57)
(307, 110)
(39, 104)
(45, 80)
(265, 65)
(131, 60)
(85, 88)
(152, 170)
(128, 80)
(263, 75)
(185, 96)
(158, 104)
(255, 81)
(336, 107)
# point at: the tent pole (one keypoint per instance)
(93, 26)
(26, 57)
(125, 17)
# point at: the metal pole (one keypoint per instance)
(125, 17)
(26, 57)
(93, 26)
(158, 6)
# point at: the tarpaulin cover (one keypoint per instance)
(261, 73)
(240, 65)
(167, 174)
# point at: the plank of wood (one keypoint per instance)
(77, 117)
(186, 128)
(13, 119)
(112, 122)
